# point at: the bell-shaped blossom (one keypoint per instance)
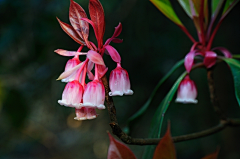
(70, 64)
(85, 113)
(187, 91)
(119, 82)
(72, 95)
(94, 95)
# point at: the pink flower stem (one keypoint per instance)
(213, 34)
(201, 18)
(96, 72)
(80, 69)
(187, 33)
(84, 76)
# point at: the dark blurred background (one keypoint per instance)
(34, 125)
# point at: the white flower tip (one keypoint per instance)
(101, 106)
(116, 93)
(64, 103)
(186, 101)
(129, 92)
(82, 118)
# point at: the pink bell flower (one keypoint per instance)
(94, 95)
(119, 82)
(72, 95)
(70, 64)
(187, 91)
(85, 113)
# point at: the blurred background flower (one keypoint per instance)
(34, 125)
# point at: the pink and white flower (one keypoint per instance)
(72, 95)
(94, 95)
(187, 91)
(70, 64)
(85, 113)
(119, 82)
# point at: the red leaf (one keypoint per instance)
(71, 32)
(212, 155)
(210, 59)
(76, 12)
(97, 16)
(118, 150)
(118, 30)
(165, 148)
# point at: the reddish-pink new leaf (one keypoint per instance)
(118, 150)
(113, 53)
(165, 148)
(71, 32)
(97, 16)
(76, 12)
(212, 155)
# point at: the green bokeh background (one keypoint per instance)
(34, 125)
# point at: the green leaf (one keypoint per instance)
(216, 6)
(228, 7)
(235, 68)
(157, 119)
(166, 8)
(148, 102)
(186, 6)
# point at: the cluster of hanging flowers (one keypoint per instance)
(206, 30)
(86, 98)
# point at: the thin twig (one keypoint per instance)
(116, 129)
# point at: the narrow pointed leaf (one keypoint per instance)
(235, 68)
(158, 117)
(118, 30)
(210, 59)
(148, 102)
(76, 12)
(68, 53)
(216, 6)
(118, 150)
(165, 148)
(71, 32)
(212, 156)
(95, 57)
(113, 53)
(166, 8)
(186, 7)
(228, 7)
(69, 72)
(97, 16)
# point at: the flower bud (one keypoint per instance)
(187, 91)
(119, 82)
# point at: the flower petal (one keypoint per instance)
(189, 59)
(210, 59)
(95, 57)
(69, 72)
(113, 53)
(68, 53)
